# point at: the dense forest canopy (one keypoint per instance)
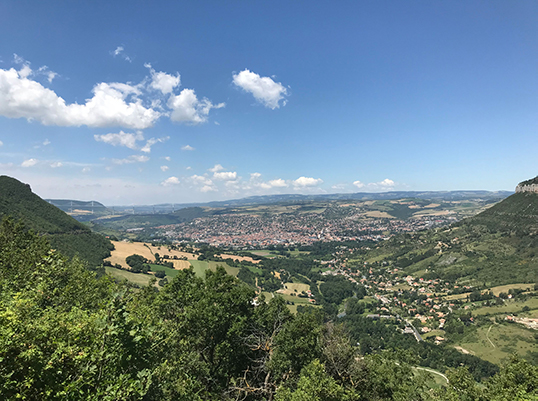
(65, 233)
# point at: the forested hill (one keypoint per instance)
(498, 246)
(517, 214)
(64, 232)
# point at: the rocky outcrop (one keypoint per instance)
(528, 186)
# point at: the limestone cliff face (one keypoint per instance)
(528, 186)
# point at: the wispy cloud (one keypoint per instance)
(153, 141)
(120, 52)
(121, 139)
(131, 159)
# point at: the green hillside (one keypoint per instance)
(517, 214)
(64, 232)
(497, 246)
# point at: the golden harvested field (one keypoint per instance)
(377, 213)
(240, 258)
(506, 288)
(457, 296)
(433, 213)
(124, 249)
(289, 288)
(432, 205)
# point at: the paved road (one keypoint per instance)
(417, 335)
(432, 371)
(487, 336)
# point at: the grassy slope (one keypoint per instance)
(498, 246)
(497, 342)
(200, 266)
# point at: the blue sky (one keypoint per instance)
(133, 102)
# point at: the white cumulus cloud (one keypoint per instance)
(303, 182)
(164, 168)
(278, 183)
(186, 108)
(208, 188)
(163, 82)
(386, 183)
(187, 147)
(121, 139)
(1, 143)
(264, 89)
(225, 175)
(200, 179)
(29, 163)
(56, 164)
(170, 181)
(112, 104)
(215, 168)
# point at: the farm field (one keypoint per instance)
(294, 288)
(200, 266)
(261, 253)
(124, 249)
(508, 307)
(497, 342)
(136, 278)
(505, 288)
(240, 258)
(170, 273)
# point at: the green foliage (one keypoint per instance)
(518, 381)
(314, 385)
(66, 235)
(138, 263)
(67, 335)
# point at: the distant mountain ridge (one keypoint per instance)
(268, 199)
(67, 204)
(66, 234)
